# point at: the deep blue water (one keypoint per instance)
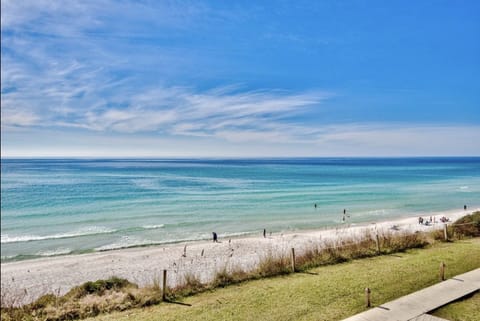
(58, 206)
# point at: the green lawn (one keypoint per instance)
(326, 293)
(465, 310)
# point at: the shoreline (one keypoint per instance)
(143, 265)
(233, 236)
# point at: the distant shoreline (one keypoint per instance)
(142, 265)
(233, 236)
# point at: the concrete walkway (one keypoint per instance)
(415, 306)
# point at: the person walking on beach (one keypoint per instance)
(215, 237)
(264, 233)
(345, 215)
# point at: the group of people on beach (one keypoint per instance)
(423, 221)
(426, 221)
(443, 219)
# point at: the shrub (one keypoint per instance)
(190, 285)
(224, 277)
(468, 225)
(44, 301)
(98, 287)
(271, 265)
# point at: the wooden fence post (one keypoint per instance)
(367, 297)
(442, 271)
(164, 288)
(293, 259)
(445, 231)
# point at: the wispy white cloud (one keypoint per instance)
(108, 18)
(171, 110)
(57, 72)
(19, 118)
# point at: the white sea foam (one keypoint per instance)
(92, 230)
(7, 257)
(234, 234)
(129, 241)
(58, 251)
(378, 212)
(125, 242)
(152, 227)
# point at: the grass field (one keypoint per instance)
(326, 293)
(465, 310)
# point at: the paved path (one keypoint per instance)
(415, 305)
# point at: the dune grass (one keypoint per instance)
(104, 296)
(114, 294)
(330, 292)
(467, 309)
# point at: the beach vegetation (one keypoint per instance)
(328, 292)
(272, 265)
(225, 277)
(191, 284)
(116, 294)
(467, 226)
(100, 286)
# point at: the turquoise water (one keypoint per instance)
(51, 207)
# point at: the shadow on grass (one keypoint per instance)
(307, 272)
(178, 302)
(396, 255)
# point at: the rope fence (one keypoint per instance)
(287, 255)
(469, 223)
(376, 238)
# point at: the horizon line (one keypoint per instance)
(231, 157)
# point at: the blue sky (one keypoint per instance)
(240, 78)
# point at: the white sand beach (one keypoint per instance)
(31, 278)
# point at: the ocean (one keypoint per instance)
(66, 206)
